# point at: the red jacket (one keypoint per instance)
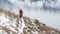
(21, 11)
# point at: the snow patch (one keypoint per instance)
(9, 22)
(3, 32)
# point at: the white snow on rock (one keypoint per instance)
(3, 32)
(8, 22)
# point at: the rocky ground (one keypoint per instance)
(10, 23)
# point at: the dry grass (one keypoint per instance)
(12, 15)
(40, 27)
(7, 30)
(8, 13)
(37, 26)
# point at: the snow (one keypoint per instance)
(3, 32)
(8, 22)
(21, 26)
(35, 32)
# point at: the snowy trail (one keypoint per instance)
(21, 25)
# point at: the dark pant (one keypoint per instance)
(21, 15)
